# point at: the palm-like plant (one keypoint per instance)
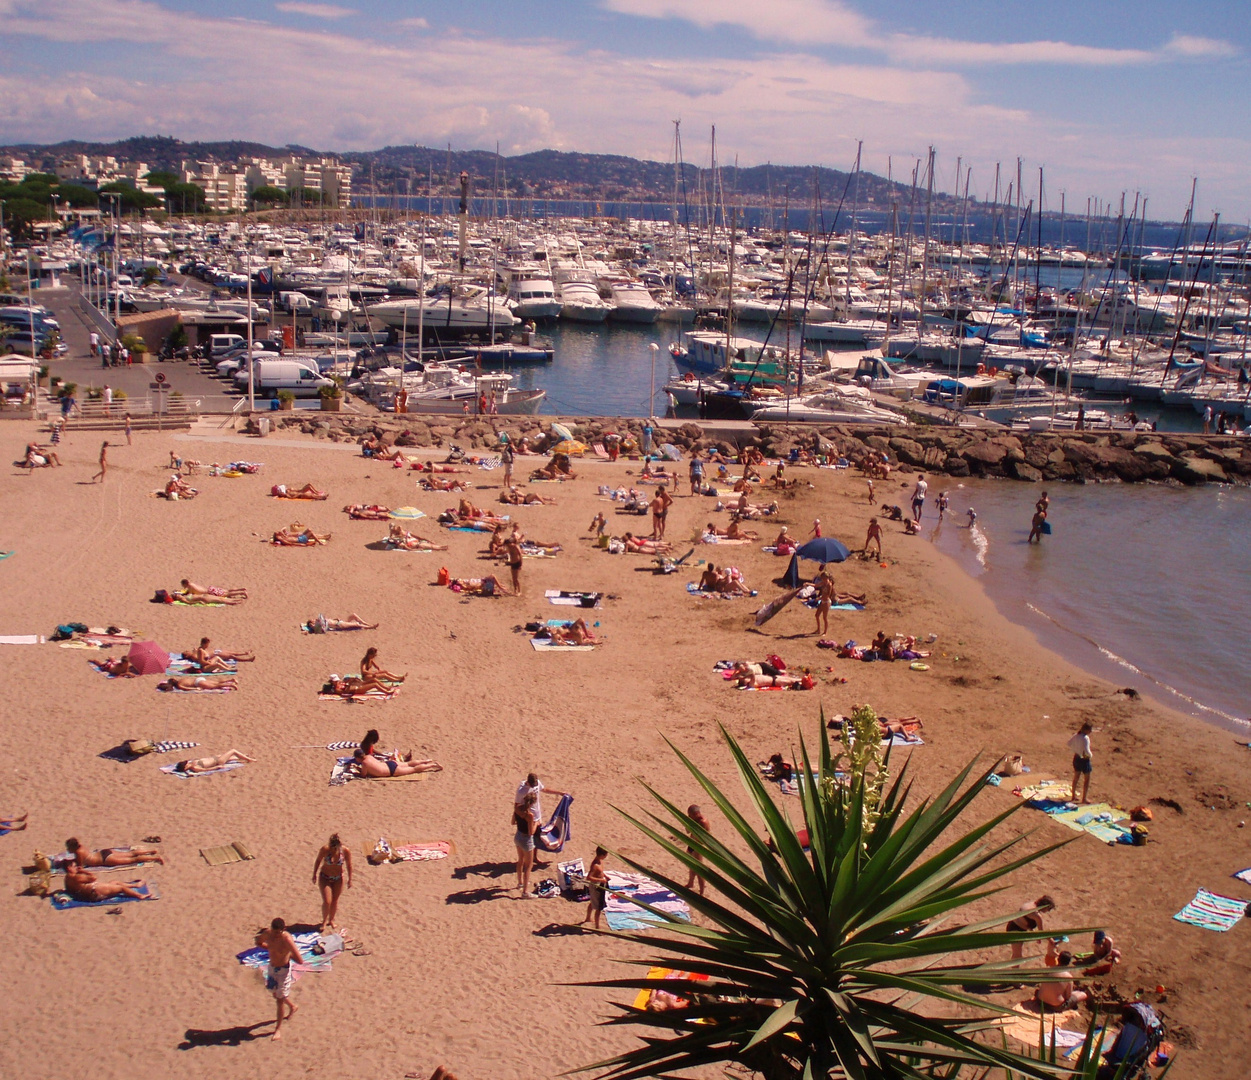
(828, 959)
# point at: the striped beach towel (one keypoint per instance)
(489, 463)
(165, 746)
(1211, 911)
(1244, 875)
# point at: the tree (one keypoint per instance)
(77, 195)
(20, 212)
(267, 195)
(162, 178)
(184, 198)
(821, 959)
(131, 197)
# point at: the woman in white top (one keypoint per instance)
(1080, 745)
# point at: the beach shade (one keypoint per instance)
(410, 513)
(824, 549)
(569, 446)
(561, 432)
(148, 658)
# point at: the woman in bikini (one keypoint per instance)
(192, 589)
(208, 764)
(328, 872)
(525, 825)
(296, 535)
(111, 856)
(203, 656)
(370, 766)
(199, 682)
(370, 668)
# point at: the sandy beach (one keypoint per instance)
(459, 970)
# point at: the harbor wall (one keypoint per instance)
(1077, 457)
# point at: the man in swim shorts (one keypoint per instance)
(283, 952)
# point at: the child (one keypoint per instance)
(874, 537)
(597, 883)
(598, 524)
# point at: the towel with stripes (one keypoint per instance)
(1211, 911)
(489, 463)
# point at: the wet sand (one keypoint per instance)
(461, 970)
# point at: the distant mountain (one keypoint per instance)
(541, 174)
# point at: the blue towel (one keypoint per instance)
(552, 836)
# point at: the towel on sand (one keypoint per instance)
(428, 851)
(548, 645)
(343, 772)
(1211, 911)
(624, 915)
(694, 589)
(564, 598)
(227, 853)
(62, 900)
(316, 953)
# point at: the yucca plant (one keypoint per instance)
(839, 958)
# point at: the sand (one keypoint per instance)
(461, 971)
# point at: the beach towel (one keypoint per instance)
(552, 836)
(548, 645)
(121, 752)
(173, 770)
(489, 463)
(228, 853)
(563, 598)
(709, 538)
(642, 998)
(1101, 820)
(203, 603)
(342, 773)
(1244, 875)
(1211, 911)
(428, 851)
(1023, 1025)
(196, 690)
(370, 696)
(62, 901)
(316, 953)
(622, 914)
(22, 639)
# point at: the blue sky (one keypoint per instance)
(1107, 95)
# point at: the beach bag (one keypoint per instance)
(1012, 765)
(444, 576)
(776, 661)
(139, 747)
(1141, 813)
(615, 546)
(1139, 835)
(41, 878)
(571, 874)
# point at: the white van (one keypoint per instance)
(222, 343)
(270, 376)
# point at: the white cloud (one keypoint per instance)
(315, 11)
(415, 23)
(782, 105)
(832, 22)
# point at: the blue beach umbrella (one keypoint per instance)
(824, 549)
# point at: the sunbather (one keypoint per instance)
(352, 622)
(906, 726)
(40, 457)
(400, 537)
(111, 856)
(359, 512)
(296, 535)
(483, 586)
(368, 765)
(177, 488)
(16, 824)
(202, 654)
(117, 666)
(513, 497)
(788, 679)
(198, 598)
(778, 768)
(82, 885)
(745, 509)
(444, 485)
(577, 633)
(199, 682)
(731, 583)
(556, 469)
(208, 764)
(217, 593)
(351, 686)
(308, 491)
(641, 546)
(371, 669)
(710, 579)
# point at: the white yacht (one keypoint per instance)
(580, 301)
(448, 390)
(839, 405)
(464, 309)
(633, 303)
(531, 293)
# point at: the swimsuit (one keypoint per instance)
(327, 879)
(213, 590)
(392, 765)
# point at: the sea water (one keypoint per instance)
(1147, 586)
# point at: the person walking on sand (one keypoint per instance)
(104, 463)
(918, 497)
(507, 457)
(660, 511)
(1080, 745)
(106, 395)
(283, 952)
(597, 886)
(825, 596)
(512, 552)
(696, 473)
(870, 483)
(333, 860)
(129, 440)
(816, 529)
(697, 814)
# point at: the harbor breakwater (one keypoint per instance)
(1079, 457)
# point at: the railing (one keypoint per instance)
(100, 322)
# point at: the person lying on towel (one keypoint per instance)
(351, 686)
(483, 586)
(199, 682)
(371, 766)
(359, 512)
(576, 633)
(399, 537)
(82, 885)
(308, 491)
(295, 535)
(208, 764)
(513, 497)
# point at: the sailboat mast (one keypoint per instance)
(925, 255)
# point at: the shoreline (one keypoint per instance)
(452, 952)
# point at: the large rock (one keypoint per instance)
(1193, 469)
(956, 466)
(984, 457)
(1021, 470)
(908, 450)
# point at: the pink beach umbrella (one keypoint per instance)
(148, 658)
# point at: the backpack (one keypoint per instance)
(444, 576)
